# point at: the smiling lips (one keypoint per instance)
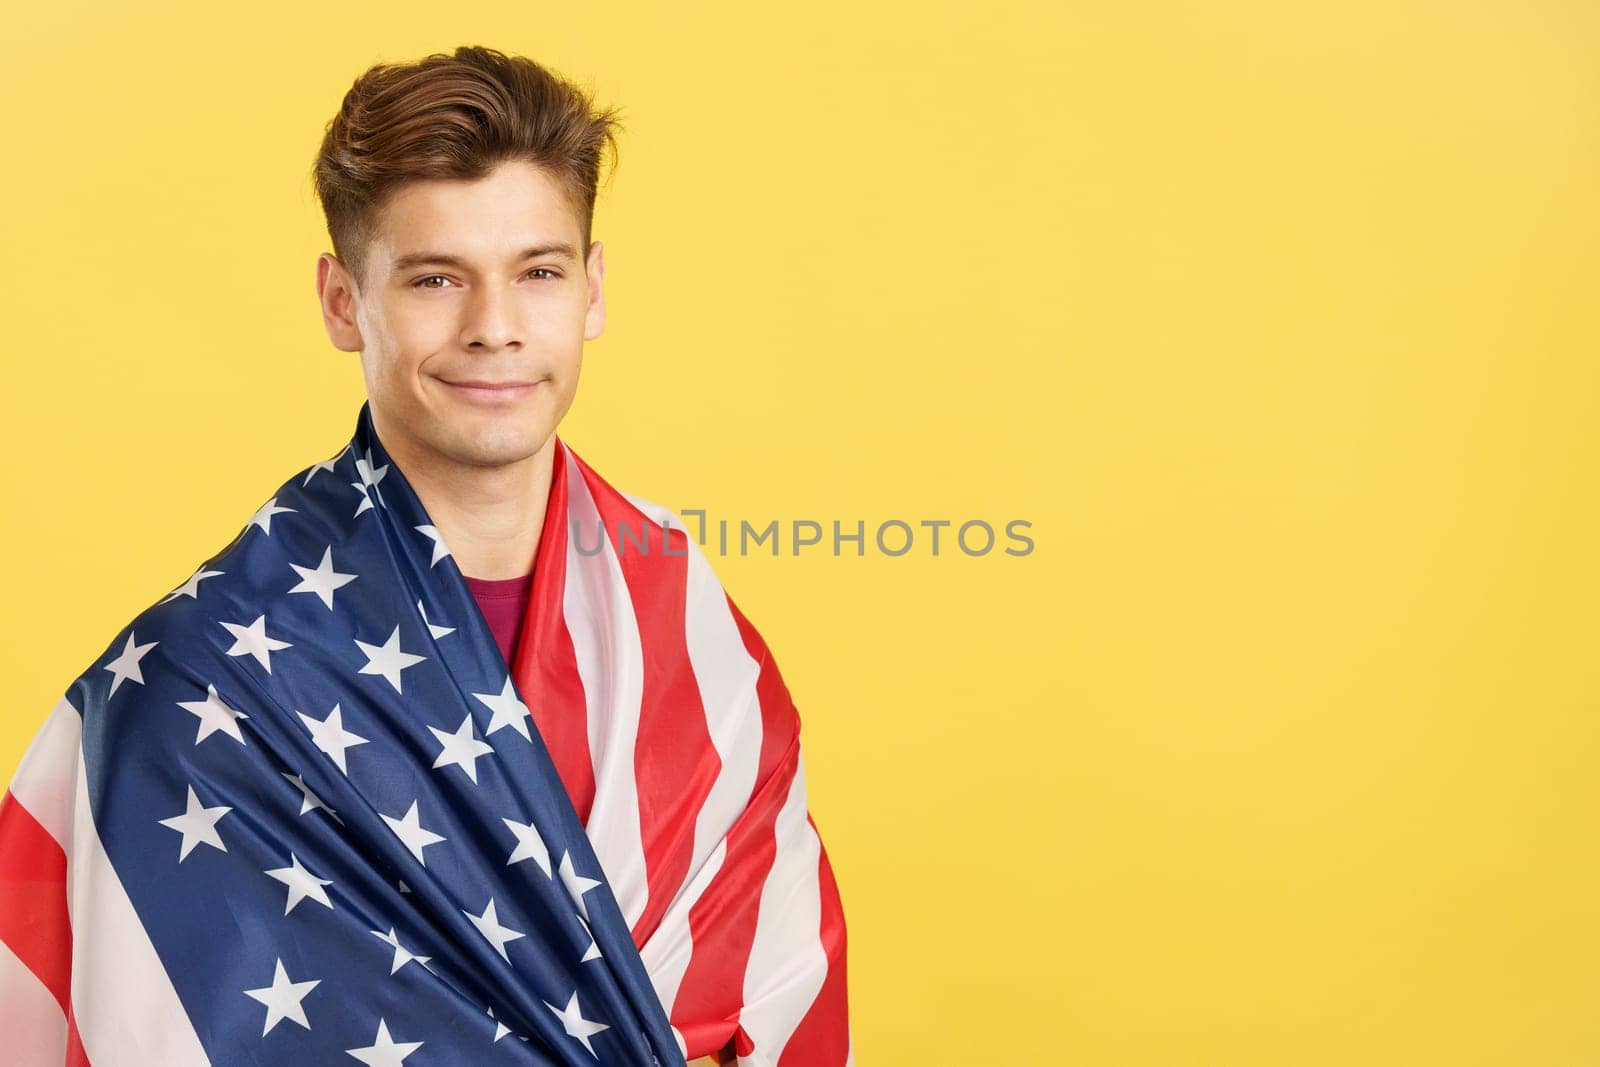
(491, 392)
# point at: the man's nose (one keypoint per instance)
(491, 320)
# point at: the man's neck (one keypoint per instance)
(491, 517)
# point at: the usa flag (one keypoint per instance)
(301, 810)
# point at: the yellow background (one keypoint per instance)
(1277, 321)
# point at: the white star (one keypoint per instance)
(325, 465)
(530, 845)
(575, 1024)
(369, 478)
(126, 665)
(214, 715)
(576, 884)
(369, 474)
(366, 501)
(409, 829)
(331, 736)
(440, 549)
(283, 998)
(263, 515)
(309, 799)
(461, 749)
(323, 580)
(388, 660)
(191, 588)
(252, 640)
(402, 955)
(436, 631)
(593, 951)
(508, 710)
(500, 1028)
(384, 1051)
(302, 884)
(198, 825)
(488, 925)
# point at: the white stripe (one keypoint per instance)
(125, 1006)
(787, 963)
(30, 1017)
(605, 640)
(47, 776)
(726, 674)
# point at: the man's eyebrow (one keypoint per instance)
(412, 260)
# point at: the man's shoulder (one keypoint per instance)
(176, 626)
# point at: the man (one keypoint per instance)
(331, 797)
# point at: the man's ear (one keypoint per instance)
(595, 319)
(336, 291)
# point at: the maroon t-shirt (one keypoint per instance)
(503, 601)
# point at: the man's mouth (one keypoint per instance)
(492, 392)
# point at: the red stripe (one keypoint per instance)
(76, 1056)
(674, 761)
(544, 663)
(34, 921)
(722, 922)
(823, 1036)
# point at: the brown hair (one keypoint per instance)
(455, 117)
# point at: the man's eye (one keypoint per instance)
(422, 283)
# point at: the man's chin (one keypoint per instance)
(497, 447)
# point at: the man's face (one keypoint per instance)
(470, 282)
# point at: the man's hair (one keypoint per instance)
(455, 117)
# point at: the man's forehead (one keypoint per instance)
(511, 213)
